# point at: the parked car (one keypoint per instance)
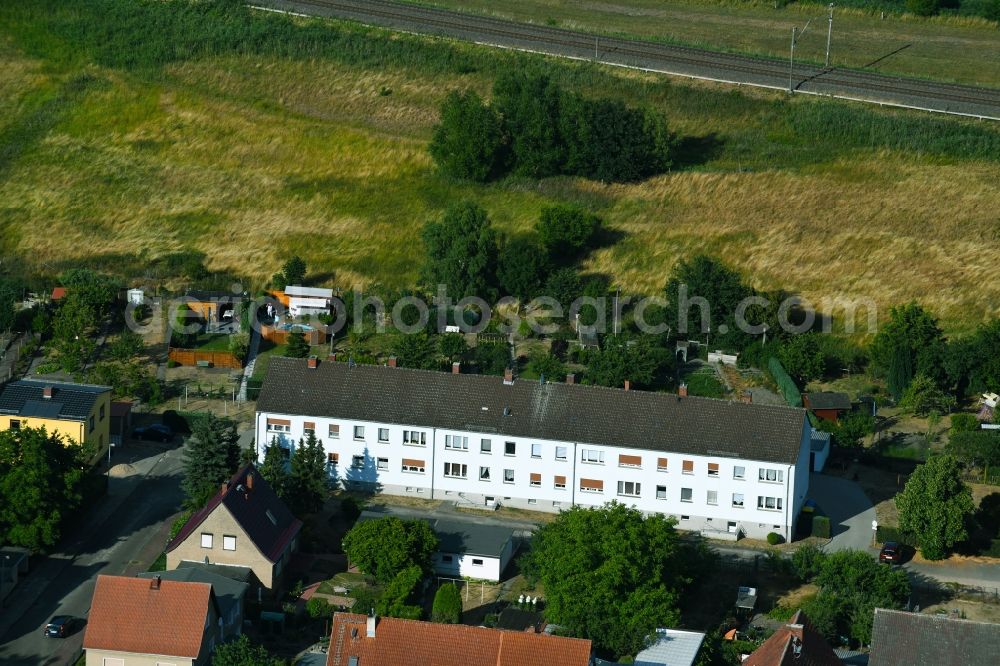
(891, 553)
(156, 433)
(60, 626)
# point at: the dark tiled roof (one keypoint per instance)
(69, 401)
(828, 400)
(250, 508)
(913, 639)
(795, 644)
(232, 572)
(568, 412)
(462, 537)
(228, 592)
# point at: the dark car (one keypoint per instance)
(891, 553)
(156, 433)
(60, 626)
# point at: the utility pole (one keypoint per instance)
(829, 35)
(791, 59)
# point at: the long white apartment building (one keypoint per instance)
(719, 467)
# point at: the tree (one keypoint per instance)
(8, 303)
(241, 652)
(273, 469)
(452, 346)
(923, 7)
(447, 607)
(40, 486)
(963, 422)
(126, 346)
(565, 286)
(307, 481)
(522, 268)
(935, 505)
(613, 574)
(808, 561)
(546, 365)
(802, 357)
(618, 361)
(922, 397)
(294, 270)
(855, 584)
(297, 347)
(566, 231)
(529, 104)
(852, 429)
(239, 344)
(211, 456)
(492, 358)
(704, 277)
(470, 141)
(398, 598)
(975, 448)
(416, 350)
(909, 344)
(385, 546)
(972, 362)
(96, 291)
(461, 252)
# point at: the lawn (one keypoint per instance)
(311, 139)
(211, 342)
(264, 358)
(940, 48)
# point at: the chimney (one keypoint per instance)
(225, 487)
(682, 390)
(747, 397)
(628, 385)
(456, 368)
(312, 362)
(47, 392)
(250, 481)
(371, 625)
(571, 378)
(392, 361)
(331, 357)
(154, 584)
(508, 376)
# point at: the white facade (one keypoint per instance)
(304, 307)
(706, 493)
(471, 565)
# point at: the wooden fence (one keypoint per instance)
(217, 359)
(279, 336)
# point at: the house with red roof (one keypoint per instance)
(148, 621)
(244, 525)
(359, 640)
(795, 644)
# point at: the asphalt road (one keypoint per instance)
(107, 540)
(865, 86)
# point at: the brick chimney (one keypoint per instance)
(456, 368)
(508, 376)
(682, 390)
(312, 362)
(571, 378)
(628, 385)
(154, 583)
(225, 487)
(250, 481)
(332, 357)
(747, 397)
(392, 362)
(47, 392)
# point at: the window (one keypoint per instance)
(333, 431)
(739, 472)
(508, 476)
(484, 473)
(556, 505)
(357, 462)
(769, 503)
(279, 425)
(332, 458)
(771, 475)
(560, 453)
(456, 443)
(629, 461)
(382, 464)
(446, 558)
(532, 500)
(486, 446)
(661, 464)
(456, 470)
(359, 432)
(687, 495)
(712, 498)
(15, 424)
(685, 517)
(413, 466)
(592, 456)
(535, 479)
(687, 467)
(738, 500)
(559, 482)
(100, 416)
(661, 492)
(414, 438)
(206, 540)
(477, 562)
(591, 486)
(713, 469)
(228, 543)
(383, 434)
(536, 450)
(308, 428)
(629, 488)
(509, 448)
(91, 424)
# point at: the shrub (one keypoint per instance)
(885, 534)
(807, 562)
(319, 608)
(821, 527)
(773, 538)
(350, 509)
(964, 422)
(447, 607)
(172, 363)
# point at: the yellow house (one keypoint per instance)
(81, 413)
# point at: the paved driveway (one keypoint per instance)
(851, 512)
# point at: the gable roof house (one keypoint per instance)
(828, 405)
(245, 524)
(900, 638)
(147, 621)
(359, 640)
(795, 644)
(230, 594)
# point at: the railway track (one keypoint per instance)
(681, 60)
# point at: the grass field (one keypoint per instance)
(252, 153)
(965, 50)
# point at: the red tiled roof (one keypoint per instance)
(128, 615)
(58, 293)
(412, 643)
(249, 506)
(780, 648)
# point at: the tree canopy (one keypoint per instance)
(522, 268)
(211, 456)
(294, 270)
(802, 357)
(566, 231)
(613, 574)
(911, 343)
(935, 505)
(386, 546)
(8, 302)
(307, 483)
(273, 469)
(617, 361)
(722, 290)
(297, 347)
(241, 652)
(975, 448)
(447, 607)
(470, 142)
(461, 252)
(922, 396)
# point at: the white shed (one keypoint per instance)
(136, 296)
(472, 550)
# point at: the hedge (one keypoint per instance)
(885, 534)
(821, 527)
(788, 388)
